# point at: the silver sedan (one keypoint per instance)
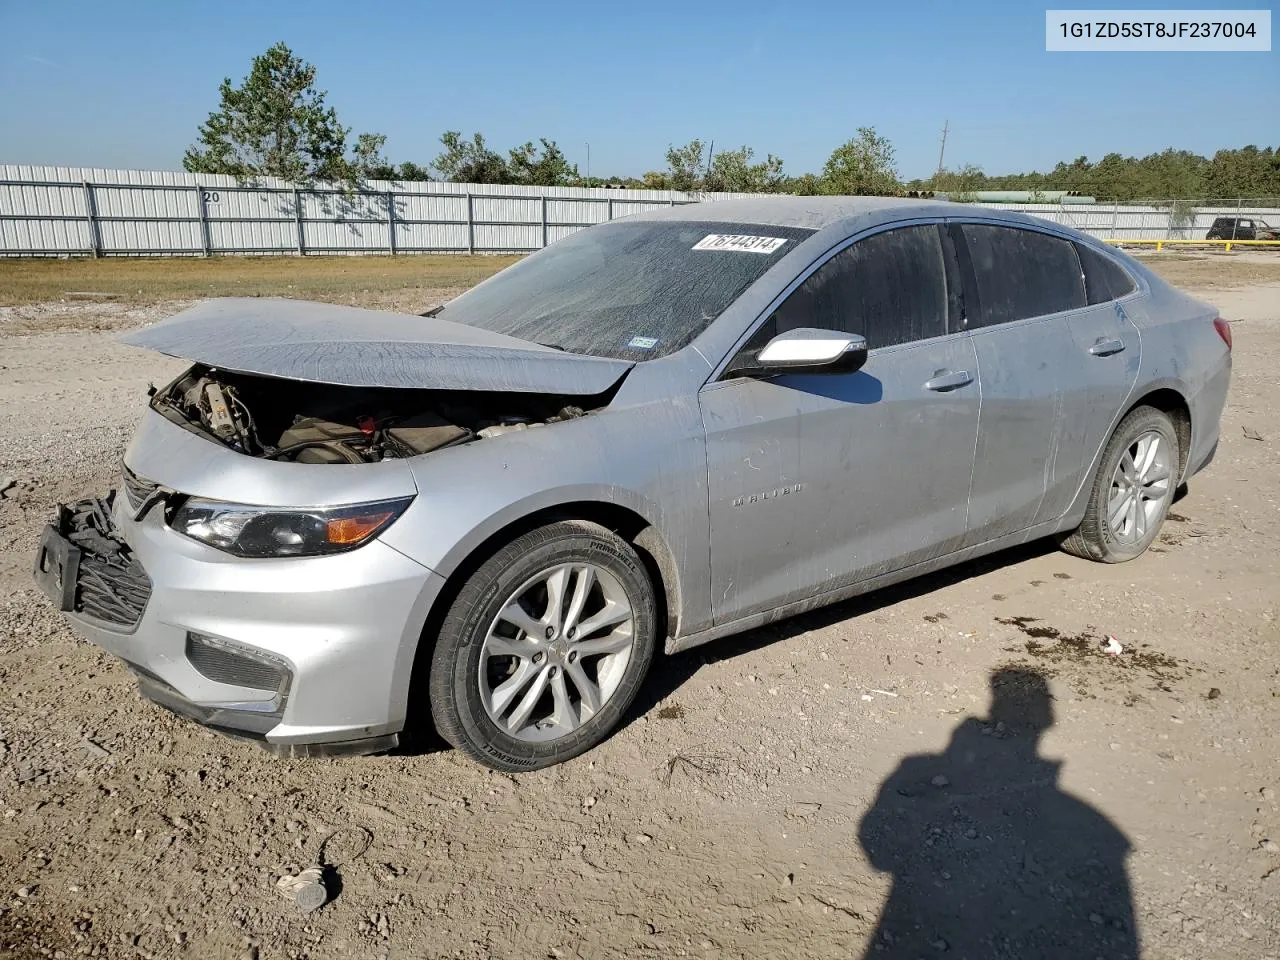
(342, 527)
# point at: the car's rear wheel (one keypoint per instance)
(1132, 490)
(544, 648)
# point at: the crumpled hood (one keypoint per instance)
(350, 346)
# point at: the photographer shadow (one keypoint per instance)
(989, 857)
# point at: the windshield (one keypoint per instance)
(628, 290)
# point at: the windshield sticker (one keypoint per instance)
(643, 343)
(739, 242)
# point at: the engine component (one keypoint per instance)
(219, 415)
(327, 424)
(426, 432)
(313, 440)
(498, 429)
(510, 424)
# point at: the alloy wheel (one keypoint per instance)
(556, 652)
(1141, 484)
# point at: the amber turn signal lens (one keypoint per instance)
(351, 530)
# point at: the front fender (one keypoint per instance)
(566, 496)
(649, 459)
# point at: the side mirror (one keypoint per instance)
(809, 350)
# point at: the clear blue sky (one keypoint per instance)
(125, 84)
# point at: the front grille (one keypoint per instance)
(137, 488)
(218, 661)
(111, 584)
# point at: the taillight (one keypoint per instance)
(1224, 331)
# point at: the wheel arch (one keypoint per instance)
(625, 521)
(1166, 396)
(1172, 403)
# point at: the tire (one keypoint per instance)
(1098, 537)
(485, 667)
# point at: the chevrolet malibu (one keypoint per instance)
(655, 432)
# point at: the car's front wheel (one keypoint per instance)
(544, 648)
(1132, 490)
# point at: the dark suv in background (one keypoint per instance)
(1241, 228)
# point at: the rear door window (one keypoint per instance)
(1021, 274)
(1104, 279)
(890, 288)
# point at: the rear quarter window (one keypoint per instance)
(1021, 274)
(1104, 279)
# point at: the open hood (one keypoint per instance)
(325, 343)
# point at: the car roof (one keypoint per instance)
(817, 213)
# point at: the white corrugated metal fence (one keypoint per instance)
(78, 211)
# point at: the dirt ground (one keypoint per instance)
(740, 809)
(370, 281)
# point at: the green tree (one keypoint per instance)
(1247, 172)
(685, 169)
(1169, 174)
(731, 171)
(366, 155)
(1174, 173)
(276, 124)
(1113, 176)
(545, 168)
(410, 171)
(614, 182)
(656, 180)
(470, 161)
(407, 172)
(805, 185)
(958, 184)
(864, 165)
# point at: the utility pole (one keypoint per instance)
(588, 161)
(942, 151)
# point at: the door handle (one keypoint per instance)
(946, 380)
(1105, 347)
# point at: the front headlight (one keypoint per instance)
(249, 531)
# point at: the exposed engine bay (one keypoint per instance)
(304, 422)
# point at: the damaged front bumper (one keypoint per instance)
(307, 656)
(85, 570)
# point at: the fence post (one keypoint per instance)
(610, 208)
(544, 219)
(1236, 225)
(471, 227)
(297, 221)
(91, 215)
(1115, 218)
(204, 220)
(391, 223)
